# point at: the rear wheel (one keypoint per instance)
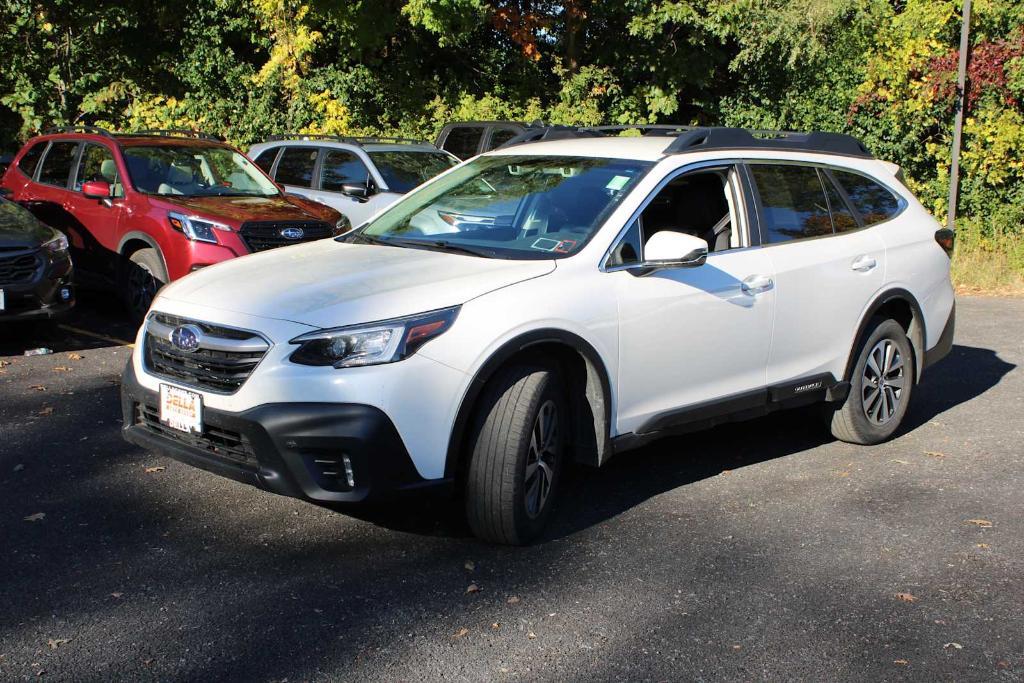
(518, 447)
(143, 278)
(880, 387)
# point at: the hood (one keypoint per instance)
(237, 210)
(19, 228)
(330, 284)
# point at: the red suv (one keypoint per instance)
(142, 209)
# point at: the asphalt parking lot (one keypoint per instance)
(765, 550)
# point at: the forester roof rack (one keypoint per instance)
(699, 138)
(93, 130)
(349, 139)
(176, 133)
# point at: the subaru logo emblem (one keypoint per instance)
(292, 233)
(187, 338)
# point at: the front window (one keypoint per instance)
(195, 171)
(403, 171)
(516, 207)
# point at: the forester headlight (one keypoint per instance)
(196, 229)
(374, 343)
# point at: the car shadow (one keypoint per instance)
(593, 496)
(98, 320)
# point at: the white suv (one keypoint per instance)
(553, 301)
(356, 176)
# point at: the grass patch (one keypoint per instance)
(988, 260)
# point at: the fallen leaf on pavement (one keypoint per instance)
(905, 597)
(983, 546)
(116, 595)
(843, 474)
(955, 646)
(157, 468)
(37, 387)
(983, 523)
(531, 635)
(902, 462)
(54, 643)
(901, 662)
(19, 467)
(46, 410)
(62, 368)
(470, 565)
(473, 588)
(37, 517)
(460, 633)
(934, 454)
(4, 363)
(74, 356)
(495, 626)
(513, 600)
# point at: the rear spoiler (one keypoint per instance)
(893, 169)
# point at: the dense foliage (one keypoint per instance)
(882, 69)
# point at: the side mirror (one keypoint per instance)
(357, 190)
(670, 249)
(96, 189)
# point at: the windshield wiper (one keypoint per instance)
(440, 245)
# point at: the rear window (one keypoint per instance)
(462, 141)
(874, 202)
(265, 159)
(30, 159)
(57, 163)
(500, 136)
(793, 202)
(402, 171)
(295, 167)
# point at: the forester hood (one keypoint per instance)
(329, 284)
(241, 209)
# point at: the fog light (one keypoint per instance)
(350, 477)
(65, 293)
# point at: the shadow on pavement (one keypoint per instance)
(98, 320)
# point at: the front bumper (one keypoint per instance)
(49, 295)
(292, 449)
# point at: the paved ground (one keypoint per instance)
(758, 551)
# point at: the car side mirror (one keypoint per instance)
(671, 249)
(96, 189)
(356, 190)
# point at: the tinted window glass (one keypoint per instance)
(265, 160)
(403, 171)
(500, 136)
(97, 163)
(29, 162)
(462, 141)
(339, 167)
(793, 202)
(296, 166)
(842, 217)
(873, 202)
(57, 163)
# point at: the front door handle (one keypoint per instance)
(756, 284)
(863, 263)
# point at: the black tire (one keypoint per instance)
(143, 277)
(500, 503)
(872, 413)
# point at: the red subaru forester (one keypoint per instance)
(143, 209)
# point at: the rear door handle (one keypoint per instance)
(863, 264)
(756, 284)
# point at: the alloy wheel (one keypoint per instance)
(540, 460)
(882, 382)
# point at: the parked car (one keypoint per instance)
(143, 209)
(466, 139)
(356, 176)
(598, 293)
(35, 267)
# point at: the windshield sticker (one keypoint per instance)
(617, 183)
(545, 244)
(565, 246)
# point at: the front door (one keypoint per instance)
(100, 219)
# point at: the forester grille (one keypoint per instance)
(18, 269)
(222, 362)
(223, 443)
(263, 235)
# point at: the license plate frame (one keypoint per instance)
(181, 409)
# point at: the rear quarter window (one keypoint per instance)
(873, 201)
(30, 160)
(56, 168)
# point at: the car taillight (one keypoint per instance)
(945, 237)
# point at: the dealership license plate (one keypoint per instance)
(181, 409)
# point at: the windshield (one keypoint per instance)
(518, 207)
(404, 170)
(194, 171)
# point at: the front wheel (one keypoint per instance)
(143, 278)
(880, 387)
(518, 447)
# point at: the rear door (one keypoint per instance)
(827, 269)
(47, 196)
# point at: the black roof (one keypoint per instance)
(700, 138)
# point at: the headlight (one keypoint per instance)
(382, 342)
(57, 245)
(342, 226)
(196, 229)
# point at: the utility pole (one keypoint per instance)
(958, 125)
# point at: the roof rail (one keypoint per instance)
(352, 140)
(94, 130)
(701, 138)
(177, 133)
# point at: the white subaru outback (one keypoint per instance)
(570, 296)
